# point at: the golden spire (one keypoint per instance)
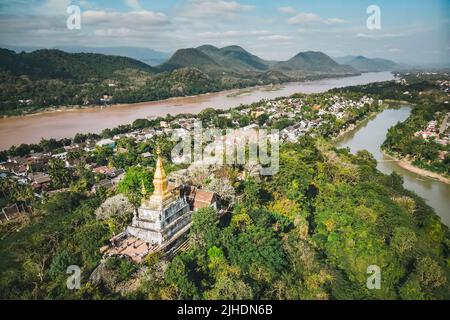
(143, 189)
(161, 193)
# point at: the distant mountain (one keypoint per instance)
(54, 78)
(235, 58)
(50, 77)
(148, 56)
(57, 64)
(216, 61)
(237, 61)
(312, 62)
(191, 58)
(364, 64)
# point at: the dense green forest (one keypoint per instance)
(52, 78)
(44, 79)
(308, 232)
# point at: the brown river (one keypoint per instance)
(60, 124)
(65, 124)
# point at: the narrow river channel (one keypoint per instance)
(372, 134)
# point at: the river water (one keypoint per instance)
(30, 129)
(372, 134)
(65, 124)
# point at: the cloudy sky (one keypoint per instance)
(412, 31)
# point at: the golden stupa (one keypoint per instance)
(161, 194)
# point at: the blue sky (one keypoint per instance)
(412, 31)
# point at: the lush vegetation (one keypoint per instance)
(401, 141)
(44, 79)
(426, 95)
(309, 232)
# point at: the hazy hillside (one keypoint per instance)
(235, 58)
(191, 58)
(54, 78)
(364, 64)
(222, 62)
(46, 64)
(312, 62)
(146, 55)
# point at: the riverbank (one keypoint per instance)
(234, 92)
(387, 104)
(356, 126)
(407, 165)
(403, 163)
(64, 124)
(370, 136)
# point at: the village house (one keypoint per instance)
(106, 98)
(25, 101)
(18, 169)
(39, 180)
(106, 143)
(105, 184)
(199, 199)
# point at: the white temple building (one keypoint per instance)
(161, 217)
(161, 221)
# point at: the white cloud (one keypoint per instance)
(275, 37)
(231, 33)
(394, 50)
(307, 18)
(210, 34)
(336, 21)
(259, 32)
(213, 8)
(53, 7)
(133, 4)
(135, 19)
(376, 36)
(288, 10)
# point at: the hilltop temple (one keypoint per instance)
(162, 216)
(161, 220)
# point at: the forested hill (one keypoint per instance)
(235, 59)
(33, 81)
(309, 232)
(45, 64)
(364, 64)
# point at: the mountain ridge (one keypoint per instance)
(364, 64)
(146, 55)
(53, 63)
(235, 59)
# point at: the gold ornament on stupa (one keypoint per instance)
(161, 194)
